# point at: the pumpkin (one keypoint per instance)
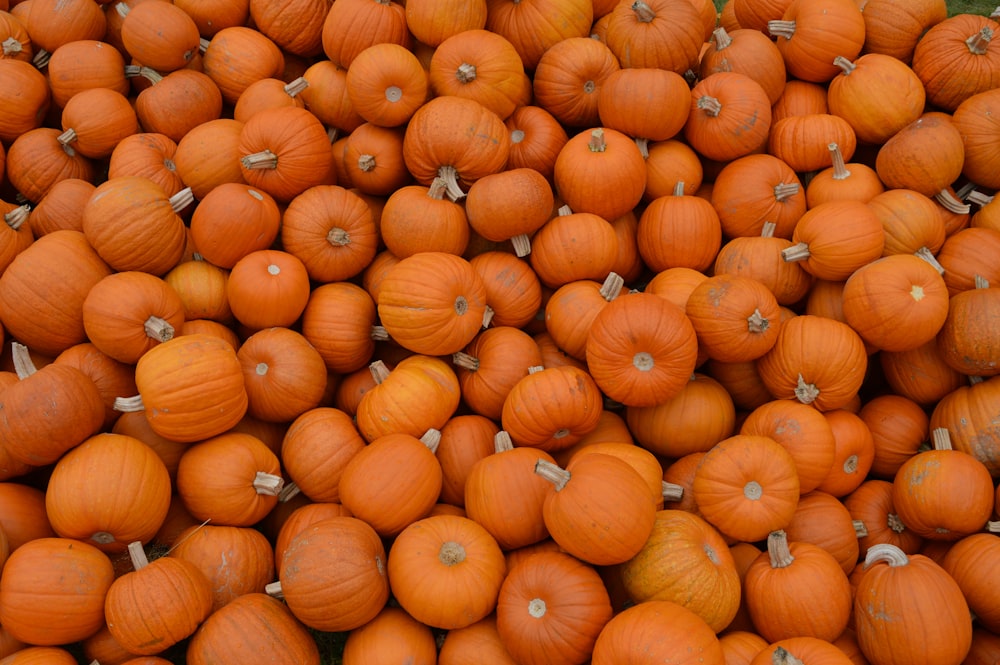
(551, 408)
(333, 575)
(268, 287)
(746, 486)
(61, 207)
(253, 625)
(392, 482)
(436, 143)
(600, 172)
(967, 413)
(637, 33)
(966, 562)
(842, 181)
(304, 514)
(904, 161)
(854, 453)
(168, 373)
(316, 447)
(828, 379)
(177, 102)
(465, 440)
(157, 604)
(898, 426)
(111, 377)
(535, 139)
(910, 220)
(208, 156)
(284, 151)
(748, 52)
(559, 257)
(38, 655)
(930, 510)
(391, 406)
(740, 646)
(904, 587)
(513, 290)
(975, 121)
(283, 374)
(551, 608)
(920, 374)
(63, 567)
(963, 256)
(23, 517)
(26, 100)
(810, 35)
(595, 496)
(514, 202)
(423, 219)
(667, 163)
(537, 26)
(201, 287)
(326, 96)
(730, 116)
(236, 56)
(133, 225)
(920, 305)
(450, 558)
(954, 59)
(801, 649)
(82, 64)
(631, 358)
(685, 560)
(345, 343)
(895, 29)
(626, 100)
(495, 360)
(386, 84)
(962, 342)
(856, 95)
(373, 160)
(476, 643)
(163, 38)
(130, 507)
(36, 161)
(48, 411)
(736, 318)
(149, 154)
(822, 520)
(94, 121)
(235, 560)
(480, 65)
(358, 24)
(127, 313)
(753, 190)
(797, 589)
(657, 630)
(802, 140)
(393, 633)
(568, 79)
(294, 25)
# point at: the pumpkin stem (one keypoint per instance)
(41, 59)
(981, 282)
(438, 188)
(643, 361)
(295, 86)
(288, 492)
(799, 252)
(778, 28)
(23, 366)
(150, 74)
(928, 256)
(552, 473)
(993, 526)
(782, 656)
(379, 371)
(380, 334)
(851, 464)
(535, 369)
(102, 538)
(709, 105)
(679, 188)
(860, 530)
(597, 143)
(846, 65)
(11, 47)
(431, 439)
(181, 199)
(517, 136)
(274, 590)
(643, 145)
(451, 553)
(137, 555)
(612, 286)
(785, 190)
(887, 552)
(466, 73)
(537, 608)
(265, 159)
(756, 323)
(267, 483)
(465, 361)
(894, 523)
(502, 442)
(450, 176)
(840, 170)
(17, 217)
(768, 229)
(338, 237)
(643, 12)
(979, 42)
(672, 491)
(366, 163)
(522, 245)
(67, 137)
(564, 210)
(722, 38)
(951, 203)
(941, 438)
(122, 9)
(158, 329)
(806, 392)
(973, 379)
(128, 404)
(203, 44)
(978, 198)
(777, 549)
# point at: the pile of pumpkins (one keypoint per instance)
(540, 332)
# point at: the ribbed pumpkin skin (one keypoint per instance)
(47, 568)
(685, 560)
(657, 631)
(253, 626)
